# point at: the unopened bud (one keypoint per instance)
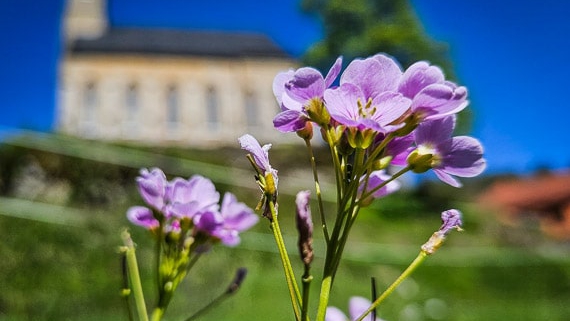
(307, 132)
(305, 227)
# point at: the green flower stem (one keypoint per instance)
(126, 291)
(134, 276)
(318, 190)
(324, 297)
(158, 260)
(343, 239)
(336, 161)
(307, 278)
(289, 275)
(372, 191)
(409, 270)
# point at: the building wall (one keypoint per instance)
(187, 101)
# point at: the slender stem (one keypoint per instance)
(324, 298)
(343, 239)
(409, 270)
(126, 291)
(372, 191)
(288, 269)
(134, 276)
(307, 278)
(158, 261)
(338, 169)
(318, 190)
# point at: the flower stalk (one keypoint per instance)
(134, 277)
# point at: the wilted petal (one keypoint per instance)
(451, 220)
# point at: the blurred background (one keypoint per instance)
(93, 90)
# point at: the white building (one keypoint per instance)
(157, 86)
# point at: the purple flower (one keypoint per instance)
(142, 216)
(152, 187)
(188, 197)
(460, 156)
(234, 217)
(432, 96)
(297, 90)
(367, 97)
(356, 307)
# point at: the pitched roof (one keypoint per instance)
(177, 42)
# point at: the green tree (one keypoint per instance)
(360, 28)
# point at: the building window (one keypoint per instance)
(212, 112)
(89, 110)
(172, 110)
(251, 109)
(132, 110)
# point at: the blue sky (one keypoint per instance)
(510, 54)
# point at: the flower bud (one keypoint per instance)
(305, 227)
(307, 132)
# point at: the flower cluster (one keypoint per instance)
(399, 117)
(186, 218)
(181, 206)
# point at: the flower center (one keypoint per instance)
(367, 110)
